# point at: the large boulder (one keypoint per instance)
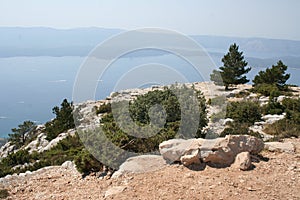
(172, 150)
(224, 150)
(140, 164)
(286, 147)
(219, 151)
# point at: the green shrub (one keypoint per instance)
(244, 111)
(104, 108)
(3, 193)
(284, 128)
(273, 107)
(267, 89)
(138, 115)
(87, 163)
(291, 104)
(242, 94)
(18, 158)
(235, 128)
(66, 149)
(290, 125)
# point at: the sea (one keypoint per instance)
(31, 86)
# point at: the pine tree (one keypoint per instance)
(233, 69)
(273, 76)
(19, 134)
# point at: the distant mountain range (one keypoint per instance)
(39, 41)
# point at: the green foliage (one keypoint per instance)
(3, 193)
(63, 121)
(232, 70)
(215, 117)
(20, 134)
(242, 94)
(19, 158)
(284, 128)
(290, 125)
(104, 108)
(138, 111)
(87, 163)
(273, 107)
(273, 76)
(236, 128)
(244, 114)
(291, 104)
(267, 89)
(244, 111)
(66, 149)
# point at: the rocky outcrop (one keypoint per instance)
(56, 140)
(140, 164)
(218, 152)
(6, 149)
(41, 144)
(38, 144)
(286, 147)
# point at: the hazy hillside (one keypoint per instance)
(78, 42)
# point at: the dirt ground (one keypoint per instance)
(274, 176)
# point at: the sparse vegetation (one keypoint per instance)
(66, 149)
(244, 114)
(290, 125)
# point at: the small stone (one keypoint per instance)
(251, 189)
(242, 161)
(114, 190)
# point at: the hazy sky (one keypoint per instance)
(245, 18)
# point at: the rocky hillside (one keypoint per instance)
(237, 159)
(274, 175)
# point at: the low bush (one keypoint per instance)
(104, 108)
(234, 128)
(87, 163)
(267, 89)
(290, 125)
(273, 107)
(284, 128)
(3, 193)
(244, 111)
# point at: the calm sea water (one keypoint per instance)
(31, 86)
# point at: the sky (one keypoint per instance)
(244, 18)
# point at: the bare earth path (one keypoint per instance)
(277, 178)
